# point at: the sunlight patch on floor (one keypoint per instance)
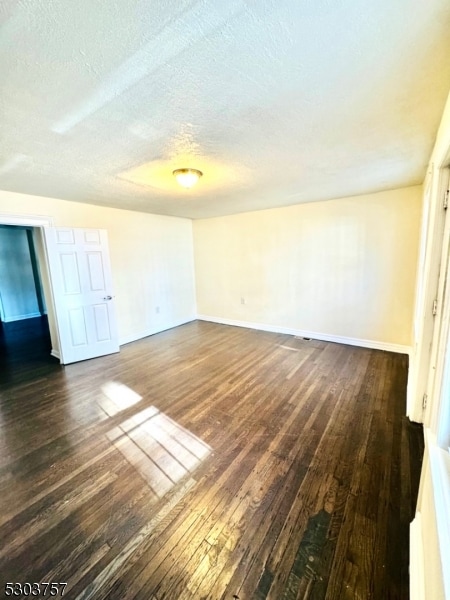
(117, 397)
(161, 450)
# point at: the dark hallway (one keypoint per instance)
(25, 351)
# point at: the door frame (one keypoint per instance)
(26, 220)
(435, 365)
(430, 530)
(427, 289)
(38, 222)
(437, 413)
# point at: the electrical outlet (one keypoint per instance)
(157, 310)
(242, 300)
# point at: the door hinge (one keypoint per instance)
(434, 310)
(446, 199)
(424, 401)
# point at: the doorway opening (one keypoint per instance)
(25, 343)
(75, 273)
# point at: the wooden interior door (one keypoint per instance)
(81, 281)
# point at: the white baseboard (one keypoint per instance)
(56, 354)
(21, 317)
(127, 339)
(374, 344)
(416, 560)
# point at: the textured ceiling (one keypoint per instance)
(277, 101)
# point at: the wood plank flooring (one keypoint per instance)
(207, 462)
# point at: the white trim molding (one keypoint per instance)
(326, 337)
(416, 560)
(26, 220)
(32, 315)
(56, 354)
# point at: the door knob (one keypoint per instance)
(107, 298)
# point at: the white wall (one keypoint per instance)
(344, 268)
(151, 257)
(17, 284)
(428, 536)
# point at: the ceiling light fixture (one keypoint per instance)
(187, 177)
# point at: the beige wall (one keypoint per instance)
(151, 257)
(342, 268)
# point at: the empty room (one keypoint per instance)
(224, 300)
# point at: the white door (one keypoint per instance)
(81, 281)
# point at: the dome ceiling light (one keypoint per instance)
(187, 177)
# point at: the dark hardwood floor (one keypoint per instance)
(208, 462)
